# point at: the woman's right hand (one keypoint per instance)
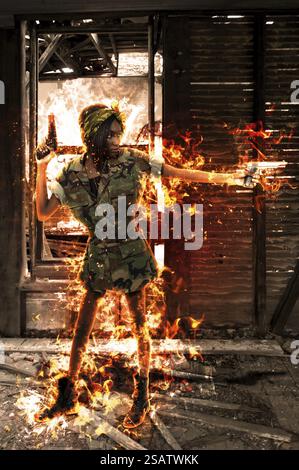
(43, 154)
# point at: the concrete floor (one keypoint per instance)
(251, 401)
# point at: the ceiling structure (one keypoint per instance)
(90, 47)
(74, 6)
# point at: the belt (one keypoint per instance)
(110, 246)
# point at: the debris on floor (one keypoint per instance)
(229, 401)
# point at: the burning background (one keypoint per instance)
(105, 367)
(101, 375)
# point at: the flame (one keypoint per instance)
(96, 383)
(28, 403)
(67, 100)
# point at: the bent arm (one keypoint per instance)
(44, 207)
(198, 176)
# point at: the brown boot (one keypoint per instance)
(65, 402)
(141, 403)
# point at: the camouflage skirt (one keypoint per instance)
(126, 266)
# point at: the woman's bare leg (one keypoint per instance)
(67, 396)
(136, 302)
(141, 404)
(83, 329)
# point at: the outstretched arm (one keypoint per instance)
(44, 207)
(199, 176)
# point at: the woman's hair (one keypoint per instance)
(96, 141)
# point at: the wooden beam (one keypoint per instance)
(17, 370)
(113, 44)
(23, 125)
(36, 229)
(99, 425)
(259, 430)
(53, 77)
(122, 48)
(259, 217)
(12, 164)
(286, 303)
(157, 31)
(100, 29)
(182, 374)
(115, 51)
(32, 143)
(80, 45)
(164, 431)
(67, 58)
(206, 347)
(23, 181)
(151, 84)
(97, 44)
(200, 403)
(49, 51)
(93, 6)
(176, 79)
(176, 120)
(99, 15)
(62, 60)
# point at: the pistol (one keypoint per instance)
(50, 144)
(258, 167)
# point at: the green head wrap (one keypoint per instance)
(95, 119)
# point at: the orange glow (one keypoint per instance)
(113, 318)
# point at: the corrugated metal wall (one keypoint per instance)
(281, 68)
(222, 93)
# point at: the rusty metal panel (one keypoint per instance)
(220, 275)
(282, 68)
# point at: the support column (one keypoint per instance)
(12, 178)
(259, 218)
(151, 84)
(176, 121)
(32, 146)
(176, 76)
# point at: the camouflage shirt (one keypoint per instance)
(122, 264)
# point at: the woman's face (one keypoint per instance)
(114, 137)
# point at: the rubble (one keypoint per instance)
(192, 414)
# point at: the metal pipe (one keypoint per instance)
(23, 111)
(151, 84)
(97, 28)
(32, 144)
(259, 218)
(39, 225)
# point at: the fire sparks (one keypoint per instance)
(263, 143)
(113, 316)
(67, 99)
(28, 403)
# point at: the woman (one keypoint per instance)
(102, 174)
